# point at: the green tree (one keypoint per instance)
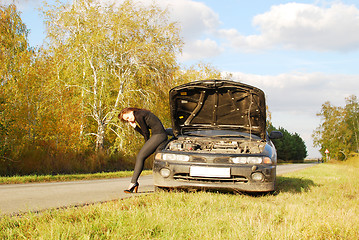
(290, 147)
(339, 129)
(114, 55)
(300, 151)
(351, 117)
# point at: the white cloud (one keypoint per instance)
(294, 99)
(303, 92)
(26, 4)
(196, 20)
(200, 49)
(302, 26)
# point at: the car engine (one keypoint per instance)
(207, 145)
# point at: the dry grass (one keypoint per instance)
(321, 202)
(67, 177)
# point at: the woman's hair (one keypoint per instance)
(127, 110)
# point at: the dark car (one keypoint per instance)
(219, 139)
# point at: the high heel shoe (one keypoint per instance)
(134, 188)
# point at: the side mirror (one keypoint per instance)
(275, 135)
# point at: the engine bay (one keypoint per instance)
(215, 145)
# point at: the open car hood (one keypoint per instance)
(218, 104)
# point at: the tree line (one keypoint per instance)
(339, 129)
(59, 102)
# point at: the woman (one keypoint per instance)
(146, 120)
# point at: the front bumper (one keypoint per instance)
(240, 176)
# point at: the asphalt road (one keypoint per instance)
(18, 198)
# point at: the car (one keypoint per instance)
(219, 139)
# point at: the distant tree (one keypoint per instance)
(327, 135)
(290, 147)
(351, 111)
(339, 129)
(300, 150)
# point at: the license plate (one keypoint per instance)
(210, 172)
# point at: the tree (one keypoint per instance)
(59, 102)
(339, 129)
(351, 111)
(13, 43)
(328, 130)
(300, 151)
(200, 71)
(290, 147)
(15, 58)
(114, 55)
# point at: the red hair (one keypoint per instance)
(127, 110)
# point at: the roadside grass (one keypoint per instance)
(321, 202)
(67, 177)
(353, 160)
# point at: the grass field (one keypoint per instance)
(67, 177)
(321, 202)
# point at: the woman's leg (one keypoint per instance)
(148, 148)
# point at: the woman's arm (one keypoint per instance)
(133, 124)
(143, 129)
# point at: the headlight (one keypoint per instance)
(254, 160)
(172, 157)
(251, 160)
(242, 160)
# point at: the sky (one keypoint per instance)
(300, 53)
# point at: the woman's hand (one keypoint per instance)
(133, 124)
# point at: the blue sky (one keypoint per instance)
(301, 53)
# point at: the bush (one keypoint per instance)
(40, 161)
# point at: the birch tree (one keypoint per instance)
(352, 121)
(339, 129)
(113, 55)
(15, 60)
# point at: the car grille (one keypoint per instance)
(198, 159)
(187, 177)
(211, 160)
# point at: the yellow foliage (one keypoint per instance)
(59, 104)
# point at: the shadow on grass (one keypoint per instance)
(293, 185)
(283, 184)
